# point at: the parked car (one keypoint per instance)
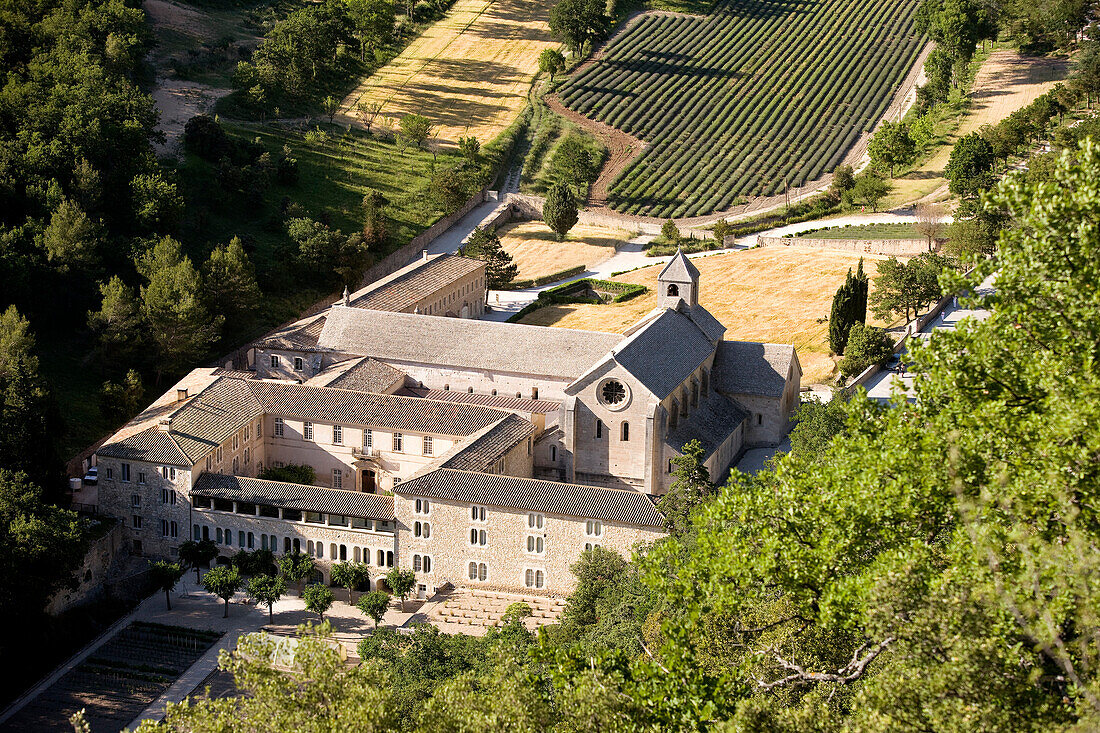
(92, 477)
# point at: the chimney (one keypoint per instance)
(347, 296)
(424, 254)
(181, 394)
(165, 425)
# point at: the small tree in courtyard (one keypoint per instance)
(223, 581)
(560, 210)
(165, 575)
(401, 581)
(350, 575)
(318, 598)
(374, 605)
(296, 567)
(267, 590)
(197, 554)
(484, 244)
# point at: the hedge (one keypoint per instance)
(561, 295)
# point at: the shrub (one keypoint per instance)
(867, 345)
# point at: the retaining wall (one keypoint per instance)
(895, 247)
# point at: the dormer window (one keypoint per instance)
(673, 289)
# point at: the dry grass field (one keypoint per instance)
(537, 252)
(769, 294)
(469, 73)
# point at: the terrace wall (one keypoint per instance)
(895, 247)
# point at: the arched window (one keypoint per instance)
(673, 289)
(389, 559)
(357, 556)
(625, 431)
(309, 548)
(673, 415)
(343, 552)
(219, 535)
(694, 393)
(554, 453)
(599, 428)
(706, 382)
(286, 545)
(297, 545)
(332, 551)
(381, 558)
(529, 578)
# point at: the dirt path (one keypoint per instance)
(179, 101)
(1006, 83)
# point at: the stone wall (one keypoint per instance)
(895, 247)
(92, 574)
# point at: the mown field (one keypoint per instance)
(732, 103)
(537, 252)
(468, 73)
(769, 294)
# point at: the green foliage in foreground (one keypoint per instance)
(931, 566)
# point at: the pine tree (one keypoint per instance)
(560, 210)
(484, 244)
(229, 284)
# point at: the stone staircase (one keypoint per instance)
(478, 609)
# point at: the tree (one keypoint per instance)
(469, 147)
(970, 168)
(318, 598)
(401, 581)
(579, 23)
(229, 285)
(120, 402)
(484, 244)
(904, 287)
(197, 554)
(350, 575)
(117, 323)
(328, 251)
(320, 694)
(870, 189)
(849, 306)
(203, 136)
(577, 164)
(331, 105)
(930, 222)
(291, 473)
(670, 232)
(373, 21)
(181, 327)
(551, 62)
(596, 571)
(892, 146)
(722, 229)
(41, 547)
(975, 238)
(867, 345)
(157, 205)
(17, 343)
(165, 576)
(844, 180)
(415, 129)
(690, 487)
(255, 562)
(452, 186)
(223, 581)
(374, 605)
(296, 567)
(267, 590)
(816, 424)
(560, 210)
(368, 111)
(71, 240)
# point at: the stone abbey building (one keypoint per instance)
(476, 453)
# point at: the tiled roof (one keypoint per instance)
(297, 336)
(500, 402)
(481, 451)
(665, 352)
(393, 412)
(460, 342)
(746, 367)
(535, 495)
(369, 375)
(151, 445)
(711, 423)
(706, 322)
(413, 283)
(679, 269)
(294, 496)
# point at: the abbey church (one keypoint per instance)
(473, 452)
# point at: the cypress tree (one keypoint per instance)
(859, 303)
(839, 316)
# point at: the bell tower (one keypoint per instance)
(679, 281)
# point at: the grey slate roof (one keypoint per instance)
(500, 402)
(665, 352)
(294, 496)
(460, 342)
(401, 290)
(369, 375)
(679, 269)
(151, 445)
(300, 335)
(536, 495)
(393, 412)
(711, 423)
(746, 367)
(706, 322)
(484, 449)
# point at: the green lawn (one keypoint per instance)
(866, 231)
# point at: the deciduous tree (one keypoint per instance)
(223, 581)
(892, 146)
(267, 590)
(197, 554)
(165, 576)
(318, 598)
(401, 581)
(296, 567)
(374, 605)
(350, 575)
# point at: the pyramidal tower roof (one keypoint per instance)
(679, 269)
